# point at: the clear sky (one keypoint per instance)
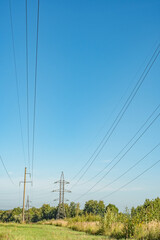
(91, 54)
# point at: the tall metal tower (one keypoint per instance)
(27, 208)
(61, 208)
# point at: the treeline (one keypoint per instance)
(149, 211)
(46, 212)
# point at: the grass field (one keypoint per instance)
(42, 232)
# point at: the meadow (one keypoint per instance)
(114, 230)
(12, 231)
(67, 230)
(95, 221)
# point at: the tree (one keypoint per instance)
(94, 207)
(46, 211)
(53, 212)
(112, 208)
(74, 209)
(67, 210)
(35, 214)
(6, 215)
(101, 208)
(91, 207)
(16, 215)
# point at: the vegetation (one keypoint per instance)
(94, 207)
(142, 222)
(47, 212)
(12, 231)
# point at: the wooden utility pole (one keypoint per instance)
(24, 193)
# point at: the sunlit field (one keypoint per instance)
(42, 232)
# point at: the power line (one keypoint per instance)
(150, 116)
(6, 170)
(129, 148)
(132, 180)
(16, 77)
(122, 155)
(101, 130)
(35, 90)
(123, 95)
(27, 87)
(130, 168)
(122, 112)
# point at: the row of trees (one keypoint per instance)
(47, 212)
(150, 210)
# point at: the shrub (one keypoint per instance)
(129, 228)
(107, 221)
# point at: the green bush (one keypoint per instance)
(129, 228)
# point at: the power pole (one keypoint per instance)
(24, 193)
(61, 208)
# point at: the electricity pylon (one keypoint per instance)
(24, 192)
(61, 208)
(27, 208)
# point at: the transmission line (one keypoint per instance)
(6, 170)
(123, 147)
(27, 87)
(16, 77)
(122, 155)
(125, 92)
(132, 180)
(35, 90)
(130, 168)
(122, 112)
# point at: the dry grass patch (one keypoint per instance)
(88, 227)
(60, 223)
(148, 231)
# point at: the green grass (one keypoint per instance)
(42, 232)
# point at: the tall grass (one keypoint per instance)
(85, 218)
(113, 226)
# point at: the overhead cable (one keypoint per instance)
(130, 168)
(27, 88)
(132, 180)
(17, 83)
(158, 115)
(6, 170)
(126, 145)
(121, 113)
(35, 90)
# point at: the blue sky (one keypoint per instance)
(90, 56)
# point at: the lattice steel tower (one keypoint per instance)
(61, 208)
